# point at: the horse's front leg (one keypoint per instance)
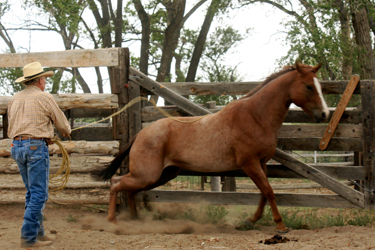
(113, 199)
(132, 205)
(256, 173)
(259, 212)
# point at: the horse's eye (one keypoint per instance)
(309, 87)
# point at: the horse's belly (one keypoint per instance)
(203, 163)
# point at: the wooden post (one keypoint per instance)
(119, 77)
(215, 180)
(5, 126)
(368, 123)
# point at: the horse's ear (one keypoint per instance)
(317, 67)
(299, 66)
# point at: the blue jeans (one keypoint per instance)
(32, 158)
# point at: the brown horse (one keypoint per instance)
(243, 135)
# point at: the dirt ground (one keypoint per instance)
(83, 228)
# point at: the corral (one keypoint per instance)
(91, 147)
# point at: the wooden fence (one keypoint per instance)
(354, 133)
(90, 147)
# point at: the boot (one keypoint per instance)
(37, 244)
(46, 238)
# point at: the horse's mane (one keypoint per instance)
(275, 75)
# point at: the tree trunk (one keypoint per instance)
(176, 12)
(145, 40)
(363, 39)
(346, 45)
(201, 41)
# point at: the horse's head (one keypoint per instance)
(306, 92)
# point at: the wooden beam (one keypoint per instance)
(314, 174)
(336, 117)
(237, 198)
(312, 144)
(287, 186)
(368, 107)
(85, 164)
(169, 95)
(241, 88)
(66, 58)
(93, 134)
(74, 101)
(72, 147)
(90, 113)
(295, 115)
(84, 185)
(59, 201)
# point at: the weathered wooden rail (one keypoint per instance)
(299, 132)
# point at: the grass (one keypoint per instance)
(316, 218)
(294, 218)
(71, 218)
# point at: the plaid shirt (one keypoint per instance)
(31, 112)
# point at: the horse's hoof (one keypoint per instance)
(113, 221)
(282, 231)
(245, 226)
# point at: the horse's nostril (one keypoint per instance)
(324, 115)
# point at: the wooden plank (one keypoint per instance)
(368, 106)
(295, 115)
(288, 186)
(59, 201)
(169, 95)
(281, 171)
(85, 185)
(67, 58)
(317, 130)
(74, 101)
(312, 144)
(314, 174)
(93, 134)
(72, 147)
(339, 112)
(90, 113)
(241, 88)
(234, 198)
(84, 164)
(5, 125)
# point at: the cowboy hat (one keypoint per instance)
(33, 70)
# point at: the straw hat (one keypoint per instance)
(32, 71)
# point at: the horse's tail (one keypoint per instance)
(104, 174)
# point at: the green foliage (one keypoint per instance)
(313, 218)
(71, 218)
(216, 214)
(7, 78)
(64, 13)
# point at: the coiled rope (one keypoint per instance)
(59, 179)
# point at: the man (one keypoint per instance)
(31, 113)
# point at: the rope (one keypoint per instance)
(59, 180)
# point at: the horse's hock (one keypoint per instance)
(96, 146)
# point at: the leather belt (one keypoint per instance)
(17, 138)
(47, 140)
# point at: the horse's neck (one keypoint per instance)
(271, 103)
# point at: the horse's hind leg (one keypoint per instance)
(259, 212)
(139, 178)
(124, 183)
(256, 173)
(168, 174)
(113, 199)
